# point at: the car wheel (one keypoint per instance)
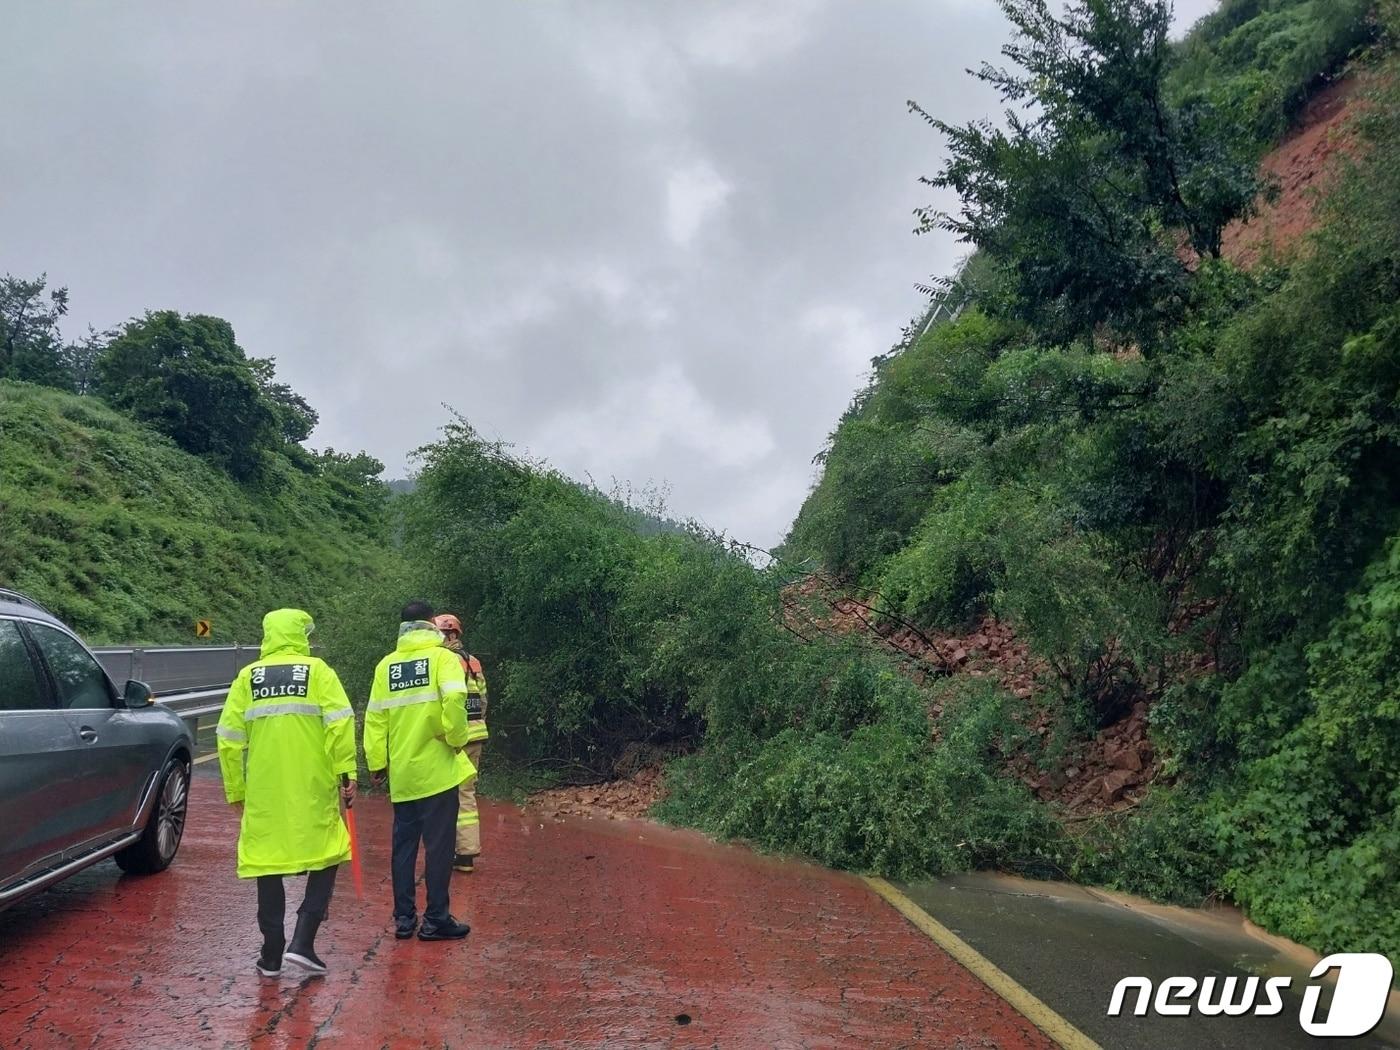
(160, 841)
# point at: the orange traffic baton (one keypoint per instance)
(354, 843)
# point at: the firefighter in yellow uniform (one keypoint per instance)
(468, 818)
(287, 716)
(415, 729)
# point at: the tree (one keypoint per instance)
(358, 469)
(1087, 194)
(356, 477)
(31, 348)
(296, 419)
(82, 358)
(188, 378)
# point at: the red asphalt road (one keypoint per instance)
(584, 933)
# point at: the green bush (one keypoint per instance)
(571, 599)
(874, 485)
(1100, 627)
(883, 799)
(947, 574)
(915, 432)
(1311, 827)
(1262, 59)
(1163, 849)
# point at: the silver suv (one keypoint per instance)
(86, 772)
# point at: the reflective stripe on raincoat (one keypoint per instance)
(287, 713)
(416, 720)
(476, 701)
(476, 692)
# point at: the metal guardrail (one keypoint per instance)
(196, 705)
(191, 680)
(946, 304)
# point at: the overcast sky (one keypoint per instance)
(651, 241)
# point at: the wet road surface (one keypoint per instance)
(1069, 946)
(585, 933)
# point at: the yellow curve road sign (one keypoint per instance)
(203, 628)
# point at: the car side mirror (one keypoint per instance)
(137, 694)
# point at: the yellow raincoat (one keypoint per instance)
(416, 720)
(288, 714)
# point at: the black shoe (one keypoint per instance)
(463, 863)
(307, 960)
(267, 967)
(269, 962)
(448, 930)
(403, 928)
(302, 951)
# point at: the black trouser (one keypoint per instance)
(434, 820)
(272, 903)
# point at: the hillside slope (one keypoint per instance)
(1187, 528)
(1304, 166)
(131, 539)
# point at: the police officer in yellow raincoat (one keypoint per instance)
(416, 727)
(288, 716)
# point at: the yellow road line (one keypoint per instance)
(1035, 1011)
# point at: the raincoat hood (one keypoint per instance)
(286, 632)
(418, 634)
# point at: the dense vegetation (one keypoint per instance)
(155, 474)
(612, 642)
(1176, 479)
(130, 538)
(1261, 60)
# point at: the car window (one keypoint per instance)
(19, 678)
(80, 679)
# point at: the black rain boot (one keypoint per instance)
(270, 960)
(302, 950)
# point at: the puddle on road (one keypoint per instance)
(1071, 944)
